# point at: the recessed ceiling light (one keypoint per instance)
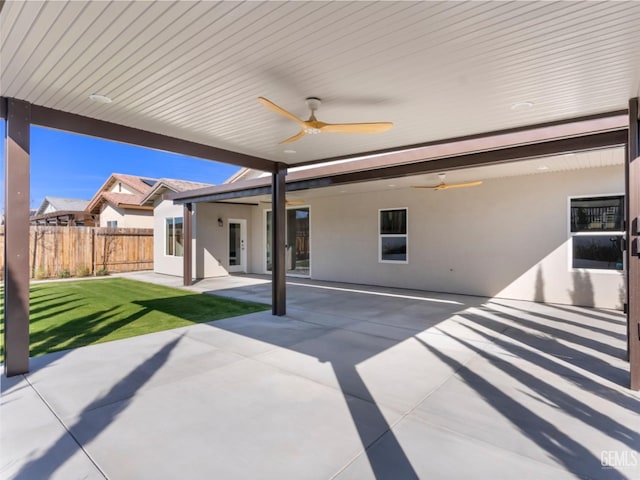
(392, 185)
(96, 97)
(521, 106)
(543, 167)
(289, 152)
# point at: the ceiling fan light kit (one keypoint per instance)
(313, 126)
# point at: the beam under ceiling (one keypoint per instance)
(368, 170)
(70, 122)
(534, 133)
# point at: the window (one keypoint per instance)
(597, 232)
(392, 230)
(112, 224)
(174, 238)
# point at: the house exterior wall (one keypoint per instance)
(162, 263)
(126, 218)
(507, 238)
(210, 241)
(119, 187)
(211, 252)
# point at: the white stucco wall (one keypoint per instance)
(162, 263)
(507, 238)
(211, 252)
(210, 241)
(126, 218)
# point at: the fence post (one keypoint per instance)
(93, 251)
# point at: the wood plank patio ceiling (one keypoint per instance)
(436, 69)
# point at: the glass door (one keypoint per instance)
(298, 245)
(237, 245)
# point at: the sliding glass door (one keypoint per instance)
(298, 245)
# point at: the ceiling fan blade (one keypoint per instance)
(446, 186)
(287, 202)
(458, 185)
(356, 127)
(272, 106)
(297, 136)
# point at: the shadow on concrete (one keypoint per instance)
(563, 354)
(556, 332)
(392, 463)
(55, 456)
(564, 321)
(564, 449)
(609, 316)
(508, 330)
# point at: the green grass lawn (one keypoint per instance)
(74, 314)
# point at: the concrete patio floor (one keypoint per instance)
(354, 383)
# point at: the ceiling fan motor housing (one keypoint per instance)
(313, 103)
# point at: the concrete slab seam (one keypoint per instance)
(66, 429)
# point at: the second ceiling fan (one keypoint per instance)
(446, 186)
(313, 126)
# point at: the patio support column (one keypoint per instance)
(187, 258)
(16, 238)
(278, 249)
(632, 186)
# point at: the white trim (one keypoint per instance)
(164, 239)
(405, 235)
(174, 236)
(571, 235)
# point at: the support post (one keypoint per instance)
(16, 239)
(187, 259)
(278, 229)
(632, 185)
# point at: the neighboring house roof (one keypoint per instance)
(65, 218)
(122, 199)
(172, 184)
(142, 185)
(60, 204)
(245, 174)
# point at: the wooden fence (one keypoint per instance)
(83, 251)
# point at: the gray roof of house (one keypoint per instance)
(63, 204)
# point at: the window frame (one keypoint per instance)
(174, 237)
(393, 235)
(109, 222)
(603, 233)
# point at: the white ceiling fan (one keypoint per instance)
(313, 126)
(444, 186)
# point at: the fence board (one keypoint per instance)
(55, 250)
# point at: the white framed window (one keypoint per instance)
(393, 238)
(174, 237)
(597, 232)
(112, 224)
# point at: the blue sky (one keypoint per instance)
(75, 166)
